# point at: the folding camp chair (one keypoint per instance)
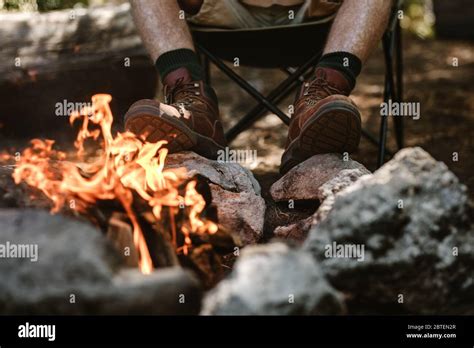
(278, 47)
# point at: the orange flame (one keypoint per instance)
(126, 165)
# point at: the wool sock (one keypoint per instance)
(182, 57)
(346, 63)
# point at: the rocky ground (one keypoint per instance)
(396, 241)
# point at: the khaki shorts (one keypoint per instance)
(235, 15)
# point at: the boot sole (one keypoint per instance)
(335, 128)
(150, 121)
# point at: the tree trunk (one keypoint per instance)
(67, 56)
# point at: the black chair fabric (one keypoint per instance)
(274, 47)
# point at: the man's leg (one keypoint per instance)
(160, 26)
(192, 123)
(325, 119)
(358, 27)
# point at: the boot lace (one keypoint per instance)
(189, 93)
(318, 89)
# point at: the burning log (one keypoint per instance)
(158, 238)
(13, 196)
(120, 234)
(125, 188)
(205, 257)
(125, 166)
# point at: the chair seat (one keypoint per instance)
(273, 47)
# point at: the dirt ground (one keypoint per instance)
(445, 93)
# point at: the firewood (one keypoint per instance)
(222, 241)
(206, 263)
(162, 251)
(120, 233)
(164, 236)
(19, 196)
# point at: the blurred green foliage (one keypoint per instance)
(10, 5)
(419, 18)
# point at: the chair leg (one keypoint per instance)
(278, 94)
(264, 101)
(254, 115)
(398, 121)
(207, 69)
(302, 78)
(245, 85)
(388, 94)
(382, 140)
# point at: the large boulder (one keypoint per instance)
(235, 193)
(320, 178)
(273, 280)
(403, 236)
(68, 267)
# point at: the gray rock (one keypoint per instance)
(414, 221)
(230, 176)
(303, 181)
(326, 194)
(75, 261)
(235, 194)
(241, 213)
(339, 182)
(273, 280)
(296, 232)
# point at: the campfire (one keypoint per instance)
(123, 170)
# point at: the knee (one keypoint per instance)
(190, 6)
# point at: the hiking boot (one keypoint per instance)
(188, 121)
(326, 120)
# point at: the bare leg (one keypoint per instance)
(358, 27)
(160, 26)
